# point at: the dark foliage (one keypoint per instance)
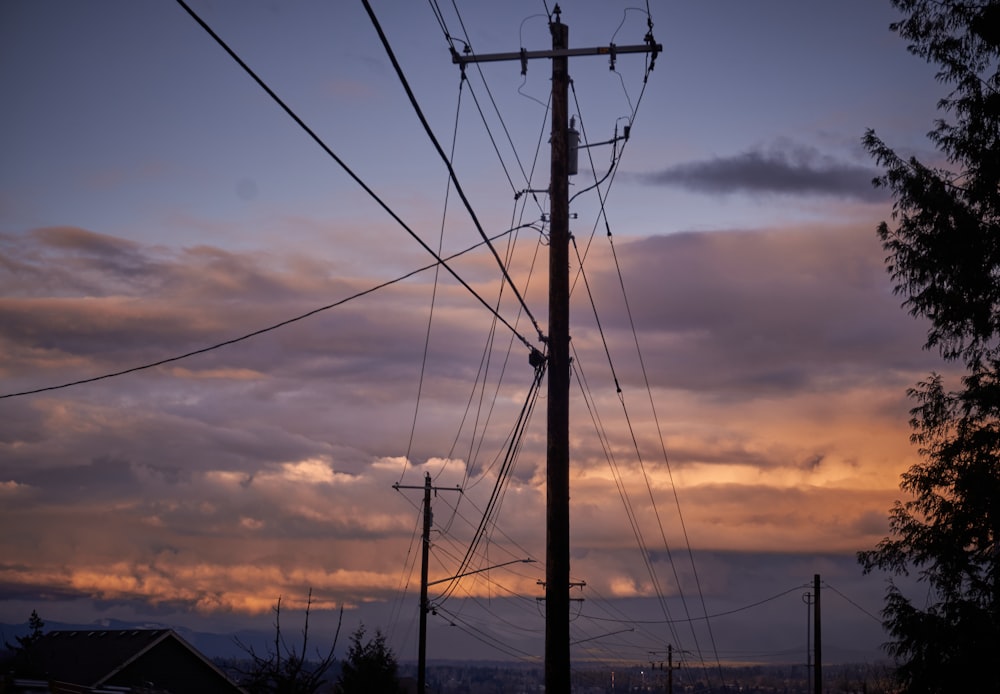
(370, 667)
(21, 661)
(944, 258)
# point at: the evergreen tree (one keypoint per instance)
(21, 660)
(370, 667)
(944, 258)
(36, 628)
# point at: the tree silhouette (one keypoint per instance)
(944, 258)
(283, 669)
(370, 667)
(21, 660)
(36, 629)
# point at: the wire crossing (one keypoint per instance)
(447, 162)
(343, 165)
(261, 331)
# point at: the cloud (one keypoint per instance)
(742, 314)
(777, 360)
(786, 168)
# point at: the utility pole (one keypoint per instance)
(669, 667)
(817, 641)
(557, 574)
(425, 554)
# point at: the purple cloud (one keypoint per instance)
(784, 169)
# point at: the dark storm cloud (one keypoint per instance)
(784, 169)
(103, 476)
(758, 312)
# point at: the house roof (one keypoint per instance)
(93, 657)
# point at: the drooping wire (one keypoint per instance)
(666, 458)
(582, 274)
(451, 171)
(852, 602)
(523, 552)
(706, 617)
(409, 564)
(619, 479)
(524, 67)
(261, 331)
(603, 215)
(492, 641)
(512, 450)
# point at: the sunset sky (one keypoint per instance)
(155, 201)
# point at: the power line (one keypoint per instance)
(444, 158)
(350, 172)
(707, 616)
(434, 291)
(852, 602)
(503, 476)
(496, 109)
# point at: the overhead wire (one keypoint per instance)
(603, 214)
(512, 450)
(507, 537)
(619, 479)
(524, 66)
(639, 457)
(450, 40)
(261, 331)
(489, 92)
(715, 615)
(488, 639)
(860, 608)
(409, 565)
(597, 184)
(484, 363)
(434, 290)
(666, 458)
(451, 171)
(343, 165)
(581, 273)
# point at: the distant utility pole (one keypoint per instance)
(557, 576)
(425, 554)
(814, 668)
(817, 641)
(669, 667)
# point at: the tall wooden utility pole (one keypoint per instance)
(557, 449)
(557, 583)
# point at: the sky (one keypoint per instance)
(156, 201)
